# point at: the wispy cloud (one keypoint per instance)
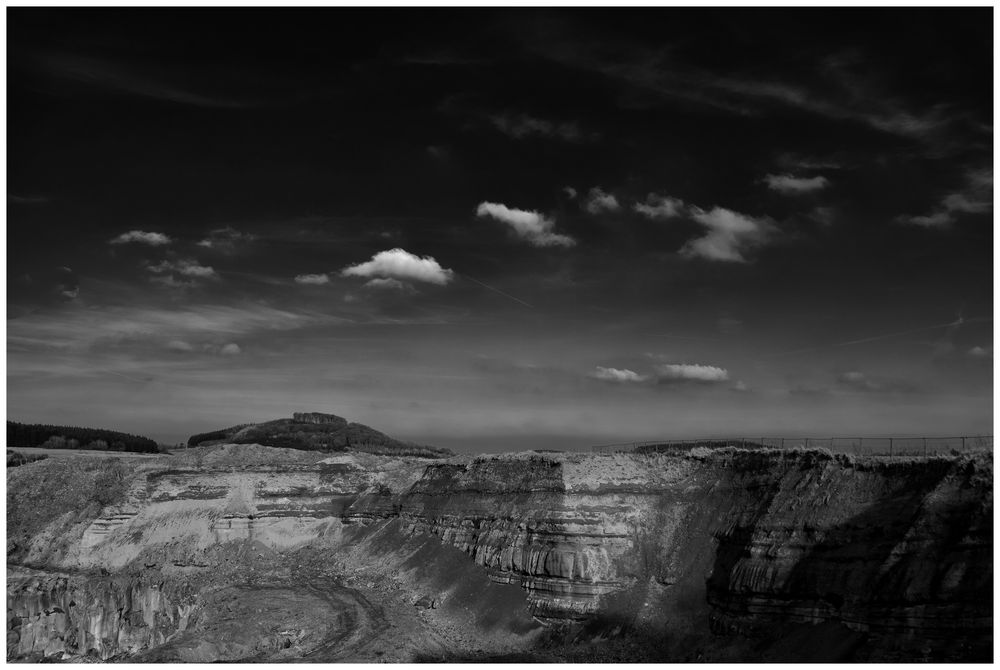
(226, 240)
(530, 226)
(141, 237)
(790, 185)
(729, 237)
(660, 207)
(185, 267)
(128, 79)
(386, 283)
(523, 126)
(598, 201)
(400, 264)
(975, 197)
(859, 381)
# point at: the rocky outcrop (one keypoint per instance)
(736, 543)
(66, 616)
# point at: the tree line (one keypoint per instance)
(75, 437)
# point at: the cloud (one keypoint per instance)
(981, 352)
(108, 75)
(621, 376)
(975, 197)
(570, 192)
(225, 239)
(522, 126)
(740, 386)
(730, 235)
(231, 349)
(688, 372)
(142, 237)
(179, 345)
(385, 283)
(859, 381)
(789, 185)
(528, 225)
(400, 264)
(315, 280)
(186, 267)
(598, 201)
(660, 207)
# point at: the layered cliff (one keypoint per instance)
(893, 559)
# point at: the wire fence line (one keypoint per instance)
(871, 446)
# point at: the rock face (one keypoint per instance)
(54, 614)
(894, 557)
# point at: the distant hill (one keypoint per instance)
(75, 437)
(314, 431)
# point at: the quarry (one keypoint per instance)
(244, 552)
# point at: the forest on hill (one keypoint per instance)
(75, 437)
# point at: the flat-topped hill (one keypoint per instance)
(316, 431)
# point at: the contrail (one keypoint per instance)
(885, 336)
(496, 290)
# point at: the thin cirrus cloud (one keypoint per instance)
(141, 237)
(660, 207)
(598, 201)
(530, 226)
(729, 235)
(687, 372)
(618, 376)
(312, 279)
(400, 264)
(790, 185)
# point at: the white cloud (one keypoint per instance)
(981, 352)
(385, 283)
(528, 225)
(231, 349)
(660, 206)
(142, 237)
(691, 372)
(570, 192)
(598, 201)
(730, 234)
(623, 376)
(740, 386)
(315, 280)
(179, 345)
(400, 264)
(789, 185)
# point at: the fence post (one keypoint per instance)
(782, 443)
(963, 443)
(890, 446)
(925, 447)
(807, 443)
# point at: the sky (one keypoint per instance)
(501, 229)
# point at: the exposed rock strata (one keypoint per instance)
(734, 542)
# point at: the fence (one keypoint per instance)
(872, 446)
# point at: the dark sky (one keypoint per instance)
(502, 229)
